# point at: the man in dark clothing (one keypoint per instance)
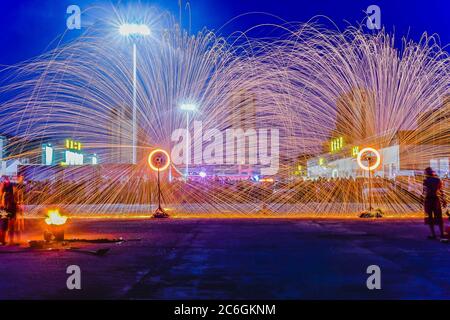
(434, 200)
(10, 206)
(4, 222)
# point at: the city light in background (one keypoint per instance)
(188, 107)
(133, 29)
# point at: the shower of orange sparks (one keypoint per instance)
(294, 84)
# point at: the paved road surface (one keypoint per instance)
(235, 259)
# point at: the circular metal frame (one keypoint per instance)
(372, 167)
(150, 158)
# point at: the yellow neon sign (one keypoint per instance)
(355, 151)
(72, 144)
(336, 144)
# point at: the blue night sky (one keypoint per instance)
(29, 27)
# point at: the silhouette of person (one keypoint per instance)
(434, 199)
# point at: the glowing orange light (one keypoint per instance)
(55, 218)
(372, 167)
(155, 153)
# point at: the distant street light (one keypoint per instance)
(188, 107)
(134, 30)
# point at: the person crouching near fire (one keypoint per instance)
(434, 200)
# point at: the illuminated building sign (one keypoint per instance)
(69, 155)
(336, 144)
(47, 154)
(355, 151)
(2, 146)
(73, 158)
(72, 145)
(299, 170)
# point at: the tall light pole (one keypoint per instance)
(188, 107)
(134, 30)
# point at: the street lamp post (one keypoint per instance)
(188, 107)
(134, 30)
(134, 116)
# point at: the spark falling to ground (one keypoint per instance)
(312, 85)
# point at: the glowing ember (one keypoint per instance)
(55, 218)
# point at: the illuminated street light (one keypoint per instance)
(188, 107)
(134, 30)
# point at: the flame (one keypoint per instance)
(55, 218)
